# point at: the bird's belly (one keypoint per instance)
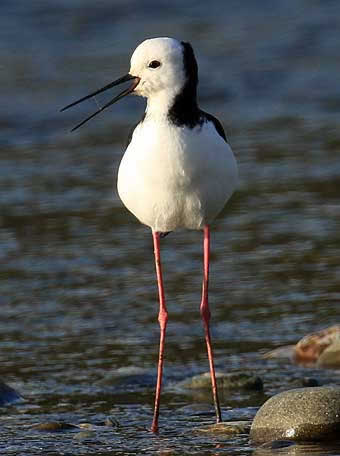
(159, 200)
(171, 189)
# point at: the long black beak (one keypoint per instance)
(127, 77)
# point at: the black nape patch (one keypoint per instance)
(185, 111)
(190, 69)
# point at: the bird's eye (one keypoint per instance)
(154, 64)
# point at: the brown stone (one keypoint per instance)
(330, 357)
(54, 426)
(309, 349)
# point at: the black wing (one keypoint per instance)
(208, 117)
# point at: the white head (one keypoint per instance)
(158, 63)
(166, 68)
(162, 70)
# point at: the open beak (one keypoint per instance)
(127, 77)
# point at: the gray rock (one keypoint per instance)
(303, 414)
(225, 428)
(129, 376)
(8, 394)
(224, 381)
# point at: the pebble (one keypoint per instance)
(129, 376)
(226, 428)
(237, 381)
(303, 414)
(54, 426)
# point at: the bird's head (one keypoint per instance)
(160, 68)
(158, 63)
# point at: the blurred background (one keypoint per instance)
(77, 288)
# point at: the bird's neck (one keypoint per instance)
(179, 108)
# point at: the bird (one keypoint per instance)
(178, 170)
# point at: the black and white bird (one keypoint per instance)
(178, 170)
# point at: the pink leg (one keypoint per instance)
(205, 313)
(163, 319)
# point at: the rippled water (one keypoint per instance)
(78, 328)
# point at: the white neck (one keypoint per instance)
(158, 104)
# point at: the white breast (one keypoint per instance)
(175, 177)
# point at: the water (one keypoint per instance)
(78, 328)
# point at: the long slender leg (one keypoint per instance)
(205, 313)
(163, 319)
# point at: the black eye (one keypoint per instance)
(154, 64)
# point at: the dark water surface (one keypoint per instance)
(78, 329)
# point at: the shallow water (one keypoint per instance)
(78, 328)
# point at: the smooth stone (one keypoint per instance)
(224, 381)
(129, 376)
(8, 394)
(54, 426)
(303, 414)
(226, 428)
